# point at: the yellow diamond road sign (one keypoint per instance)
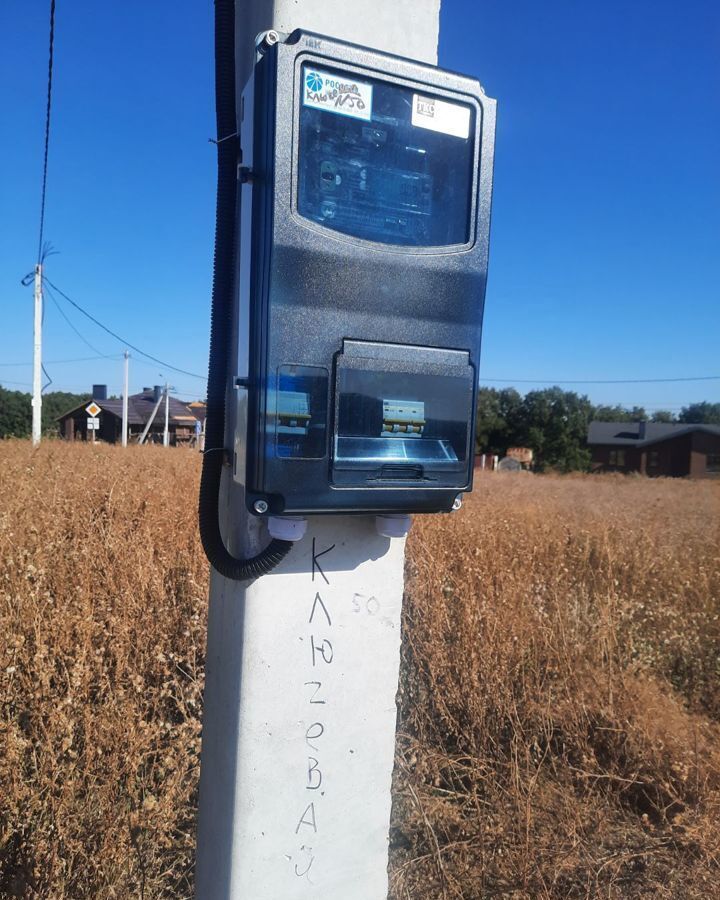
(93, 409)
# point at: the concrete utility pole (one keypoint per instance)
(37, 359)
(302, 664)
(126, 381)
(150, 420)
(166, 433)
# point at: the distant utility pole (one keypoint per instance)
(125, 400)
(37, 359)
(166, 433)
(150, 420)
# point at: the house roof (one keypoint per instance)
(198, 409)
(140, 407)
(627, 434)
(114, 407)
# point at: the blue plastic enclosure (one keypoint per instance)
(368, 243)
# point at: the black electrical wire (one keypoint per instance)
(47, 130)
(222, 315)
(49, 379)
(64, 315)
(599, 381)
(56, 362)
(45, 372)
(117, 336)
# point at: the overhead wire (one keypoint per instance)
(43, 250)
(48, 108)
(65, 316)
(598, 381)
(57, 362)
(117, 337)
(152, 365)
(45, 372)
(49, 379)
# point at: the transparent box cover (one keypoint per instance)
(381, 162)
(407, 426)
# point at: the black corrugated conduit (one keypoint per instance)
(222, 315)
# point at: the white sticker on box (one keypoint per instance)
(439, 115)
(341, 94)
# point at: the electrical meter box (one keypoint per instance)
(364, 221)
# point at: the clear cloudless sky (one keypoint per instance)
(605, 243)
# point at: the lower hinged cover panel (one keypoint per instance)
(390, 431)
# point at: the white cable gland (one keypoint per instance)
(287, 528)
(393, 525)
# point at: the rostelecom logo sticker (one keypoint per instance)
(337, 92)
(314, 81)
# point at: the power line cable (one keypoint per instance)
(482, 379)
(47, 129)
(151, 365)
(597, 381)
(49, 379)
(117, 337)
(45, 372)
(57, 362)
(64, 315)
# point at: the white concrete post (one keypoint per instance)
(302, 664)
(166, 432)
(126, 381)
(37, 359)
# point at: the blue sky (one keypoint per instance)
(605, 245)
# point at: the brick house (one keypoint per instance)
(655, 449)
(184, 425)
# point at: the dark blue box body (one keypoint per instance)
(371, 188)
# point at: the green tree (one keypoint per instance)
(700, 414)
(497, 413)
(618, 414)
(663, 415)
(16, 411)
(15, 414)
(56, 404)
(554, 424)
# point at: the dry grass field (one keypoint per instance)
(559, 705)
